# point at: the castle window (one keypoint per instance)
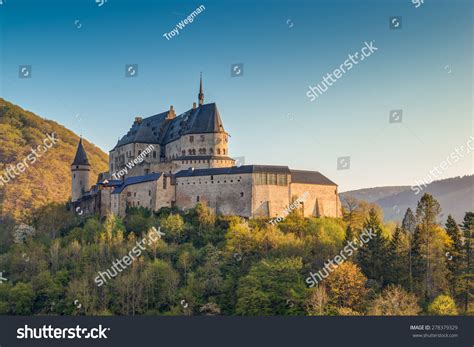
(282, 180)
(231, 181)
(190, 152)
(191, 138)
(74, 175)
(261, 178)
(149, 193)
(203, 137)
(164, 182)
(212, 178)
(139, 152)
(151, 203)
(223, 151)
(183, 152)
(194, 152)
(154, 154)
(197, 198)
(129, 194)
(138, 203)
(135, 194)
(211, 151)
(218, 151)
(272, 179)
(241, 194)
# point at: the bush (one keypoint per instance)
(443, 305)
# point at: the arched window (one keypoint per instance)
(223, 151)
(194, 152)
(211, 151)
(190, 152)
(218, 151)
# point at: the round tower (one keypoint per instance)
(80, 169)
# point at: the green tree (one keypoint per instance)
(454, 256)
(22, 298)
(372, 257)
(272, 287)
(398, 263)
(467, 279)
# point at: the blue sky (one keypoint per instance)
(78, 52)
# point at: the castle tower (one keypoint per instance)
(80, 169)
(201, 94)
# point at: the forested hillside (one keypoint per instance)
(46, 180)
(202, 264)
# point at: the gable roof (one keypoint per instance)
(159, 130)
(310, 177)
(136, 180)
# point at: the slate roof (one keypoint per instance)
(310, 177)
(81, 156)
(234, 170)
(156, 129)
(135, 180)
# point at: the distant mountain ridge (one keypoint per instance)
(48, 178)
(455, 195)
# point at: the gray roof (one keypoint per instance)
(81, 156)
(234, 170)
(135, 180)
(310, 177)
(156, 129)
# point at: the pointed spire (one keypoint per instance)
(81, 156)
(201, 94)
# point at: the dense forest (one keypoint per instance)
(47, 180)
(203, 264)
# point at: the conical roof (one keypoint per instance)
(81, 156)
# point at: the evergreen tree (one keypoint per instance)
(398, 264)
(372, 257)
(429, 268)
(409, 226)
(467, 281)
(454, 254)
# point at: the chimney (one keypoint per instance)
(171, 114)
(138, 120)
(194, 105)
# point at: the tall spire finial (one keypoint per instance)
(201, 94)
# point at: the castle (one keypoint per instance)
(178, 161)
